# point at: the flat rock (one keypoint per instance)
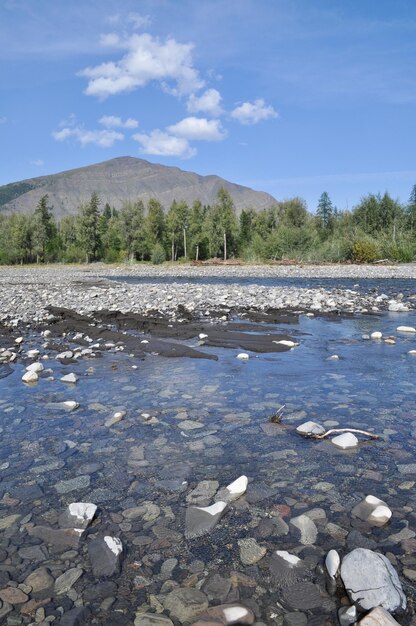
(75, 617)
(185, 603)
(41, 581)
(250, 551)
(378, 617)
(203, 493)
(371, 581)
(65, 582)
(201, 520)
(286, 569)
(307, 529)
(65, 538)
(14, 595)
(225, 614)
(304, 596)
(9, 520)
(105, 554)
(79, 482)
(152, 619)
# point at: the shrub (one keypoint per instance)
(158, 254)
(364, 251)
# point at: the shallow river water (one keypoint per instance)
(193, 420)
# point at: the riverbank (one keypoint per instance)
(27, 292)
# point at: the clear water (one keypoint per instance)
(372, 386)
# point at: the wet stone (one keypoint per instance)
(203, 493)
(13, 595)
(66, 486)
(250, 551)
(151, 619)
(216, 587)
(75, 617)
(185, 604)
(295, 619)
(65, 582)
(303, 596)
(41, 582)
(226, 614)
(105, 555)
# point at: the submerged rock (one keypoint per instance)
(234, 490)
(347, 615)
(306, 528)
(250, 551)
(105, 555)
(225, 615)
(370, 581)
(185, 603)
(372, 510)
(201, 520)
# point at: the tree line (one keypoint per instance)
(378, 227)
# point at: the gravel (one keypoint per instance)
(26, 292)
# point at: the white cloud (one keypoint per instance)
(198, 129)
(162, 144)
(208, 102)
(38, 162)
(138, 21)
(146, 59)
(101, 138)
(112, 121)
(253, 112)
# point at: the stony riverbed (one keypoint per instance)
(162, 415)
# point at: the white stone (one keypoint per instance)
(144, 341)
(310, 428)
(202, 336)
(376, 335)
(68, 354)
(83, 511)
(18, 340)
(114, 544)
(406, 329)
(32, 354)
(332, 562)
(345, 441)
(214, 509)
(35, 367)
(233, 614)
(381, 514)
(286, 342)
(238, 487)
(413, 352)
(333, 357)
(71, 404)
(347, 615)
(30, 377)
(243, 356)
(289, 558)
(69, 378)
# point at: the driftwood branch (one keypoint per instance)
(332, 431)
(276, 418)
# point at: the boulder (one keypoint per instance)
(371, 581)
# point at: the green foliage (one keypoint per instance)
(364, 251)
(88, 228)
(158, 254)
(325, 211)
(44, 229)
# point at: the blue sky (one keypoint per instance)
(292, 97)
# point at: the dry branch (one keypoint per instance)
(344, 430)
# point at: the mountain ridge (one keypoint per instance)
(122, 179)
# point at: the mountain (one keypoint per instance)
(121, 179)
